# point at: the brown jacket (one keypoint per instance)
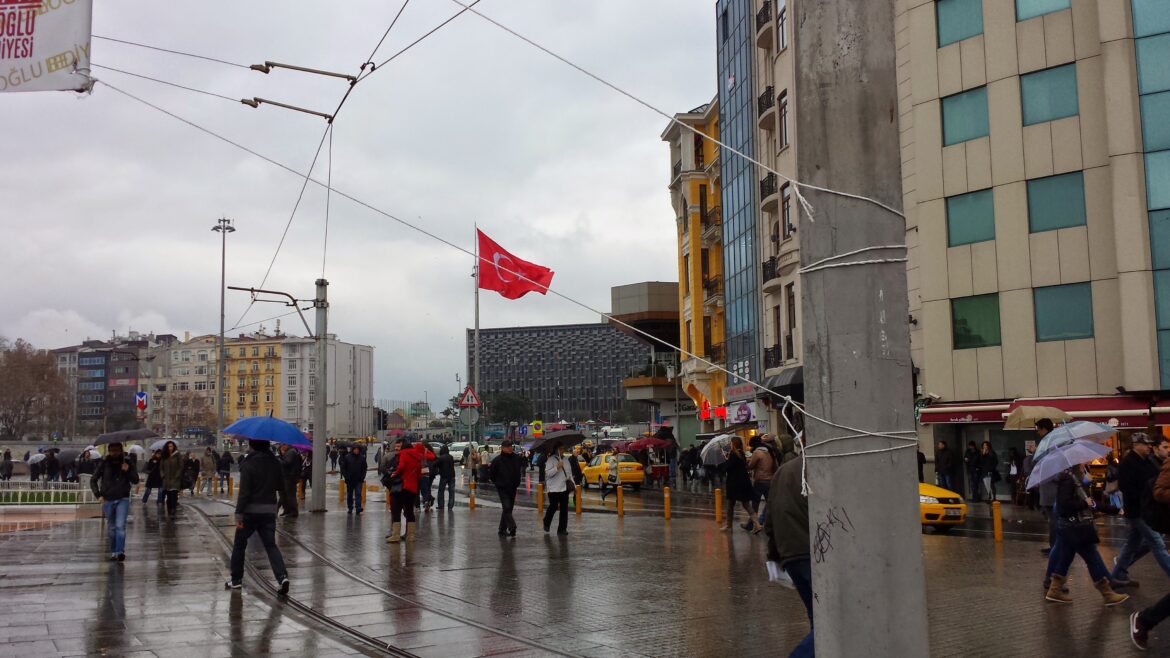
(761, 466)
(1162, 484)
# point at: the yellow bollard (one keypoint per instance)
(666, 502)
(230, 486)
(341, 492)
(718, 505)
(578, 497)
(387, 498)
(198, 485)
(471, 496)
(539, 497)
(621, 501)
(301, 489)
(363, 494)
(997, 521)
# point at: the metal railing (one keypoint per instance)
(773, 357)
(764, 16)
(18, 492)
(768, 186)
(676, 170)
(713, 286)
(770, 270)
(767, 99)
(716, 353)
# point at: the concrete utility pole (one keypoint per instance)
(869, 591)
(321, 410)
(223, 227)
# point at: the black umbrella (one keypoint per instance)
(551, 440)
(124, 436)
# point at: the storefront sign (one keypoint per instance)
(739, 392)
(44, 45)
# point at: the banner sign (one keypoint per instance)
(44, 45)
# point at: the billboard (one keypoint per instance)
(44, 45)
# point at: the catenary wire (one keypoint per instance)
(165, 82)
(414, 43)
(672, 119)
(896, 435)
(370, 59)
(173, 52)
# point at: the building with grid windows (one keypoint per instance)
(570, 372)
(1036, 181)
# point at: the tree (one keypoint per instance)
(33, 395)
(508, 407)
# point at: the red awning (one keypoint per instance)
(1161, 412)
(964, 412)
(1120, 411)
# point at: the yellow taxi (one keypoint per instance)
(630, 471)
(940, 508)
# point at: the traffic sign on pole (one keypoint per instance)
(468, 415)
(469, 398)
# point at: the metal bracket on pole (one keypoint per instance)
(267, 67)
(292, 301)
(256, 101)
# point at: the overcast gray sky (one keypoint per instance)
(108, 205)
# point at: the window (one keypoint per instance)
(271, 351)
(186, 356)
(268, 397)
(1156, 130)
(1152, 54)
(243, 351)
(292, 396)
(182, 386)
(1026, 9)
(970, 218)
(200, 386)
(958, 20)
(268, 381)
(255, 350)
(1064, 312)
(964, 116)
(1150, 17)
(255, 382)
(292, 365)
(1162, 300)
(782, 19)
(1158, 179)
(241, 400)
(786, 210)
(1160, 239)
(1056, 202)
(202, 356)
(255, 366)
(91, 361)
(200, 370)
(1049, 94)
(255, 398)
(783, 119)
(724, 25)
(292, 380)
(241, 383)
(687, 273)
(243, 366)
(975, 321)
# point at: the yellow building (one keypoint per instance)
(253, 376)
(694, 189)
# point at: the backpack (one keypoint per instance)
(1155, 514)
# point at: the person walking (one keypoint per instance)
(788, 541)
(1142, 622)
(353, 472)
(506, 471)
(191, 472)
(261, 479)
(1136, 476)
(473, 461)
(1078, 536)
(333, 457)
(988, 470)
(739, 486)
(971, 463)
(207, 466)
(1046, 492)
(223, 469)
(424, 482)
(52, 467)
(557, 476)
(404, 500)
(6, 466)
(944, 463)
(111, 484)
(154, 478)
(445, 468)
(171, 466)
(290, 463)
(613, 477)
(761, 467)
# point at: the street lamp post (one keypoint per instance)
(223, 226)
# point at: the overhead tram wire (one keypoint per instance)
(165, 82)
(414, 43)
(898, 435)
(173, 52)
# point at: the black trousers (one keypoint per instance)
(1153, 615)
(172, 498)
(508, 503)
(265, 526)
(288, 497)
(557, 500)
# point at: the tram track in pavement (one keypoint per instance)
(365, 639)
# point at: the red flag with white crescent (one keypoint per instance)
(508, 275)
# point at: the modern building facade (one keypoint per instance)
(695, 192)
(350, 411)
(1036, 182)
(104, 378)
(569, 372)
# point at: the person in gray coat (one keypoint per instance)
(788, 539)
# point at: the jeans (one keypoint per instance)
(146, 496)
(424, 489)
(221, 479)
(973, 481)
(761, 489)
(800, 571)
(557, 501)
(944, 481)
(402, 503)
(265, 526)
(208, 484)
(447, 485)
(508, 503)
(353, 496)
(1071, 545)
(1138, 540)
(115, 512)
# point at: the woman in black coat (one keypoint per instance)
(988, 469)
(739, 485)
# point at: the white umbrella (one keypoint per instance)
(136, 450)
(712, 453)
(40, 456)
(1065, 456)
(1080, 430)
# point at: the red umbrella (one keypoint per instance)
(647, 443)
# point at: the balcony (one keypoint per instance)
(773, 357)
(712, 289)
(712, 169)
(766, 106)
(717, 354)
(652, 381)
(769, 193)
(765, 28)
(675, 172)
(770, 271)
(712, 224)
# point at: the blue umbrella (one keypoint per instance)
(1063, 457)
(267, 428)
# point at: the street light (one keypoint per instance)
(223, 226)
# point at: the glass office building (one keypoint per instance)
(735, 25)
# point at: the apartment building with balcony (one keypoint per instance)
(1036, 184)
(695, 195)
(253, 376)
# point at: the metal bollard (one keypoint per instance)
(231, 486)
(718, 505)
(363, 494)
(471, 496)
(198, 485)
(539, 497)
(578, 500)
(387, 498)
(341, 492)
(666, 502)
(621, 500)
(997, 521)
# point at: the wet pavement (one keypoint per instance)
(631, 586)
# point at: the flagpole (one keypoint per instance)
(475, 349)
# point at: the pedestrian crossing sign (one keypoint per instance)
(469, 398)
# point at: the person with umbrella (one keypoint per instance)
(557, 475)
(506, 471)
(1135, 478)
(261, 478)
(1141, 623)
(111, 484)
(171, 465)
(739, 486)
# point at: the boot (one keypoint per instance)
(1056, 592)
(1108, 596)
(395, 533)
(410, 530)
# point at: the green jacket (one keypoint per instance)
(171, 469)
(787, 523)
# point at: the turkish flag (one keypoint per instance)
(507, 274)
